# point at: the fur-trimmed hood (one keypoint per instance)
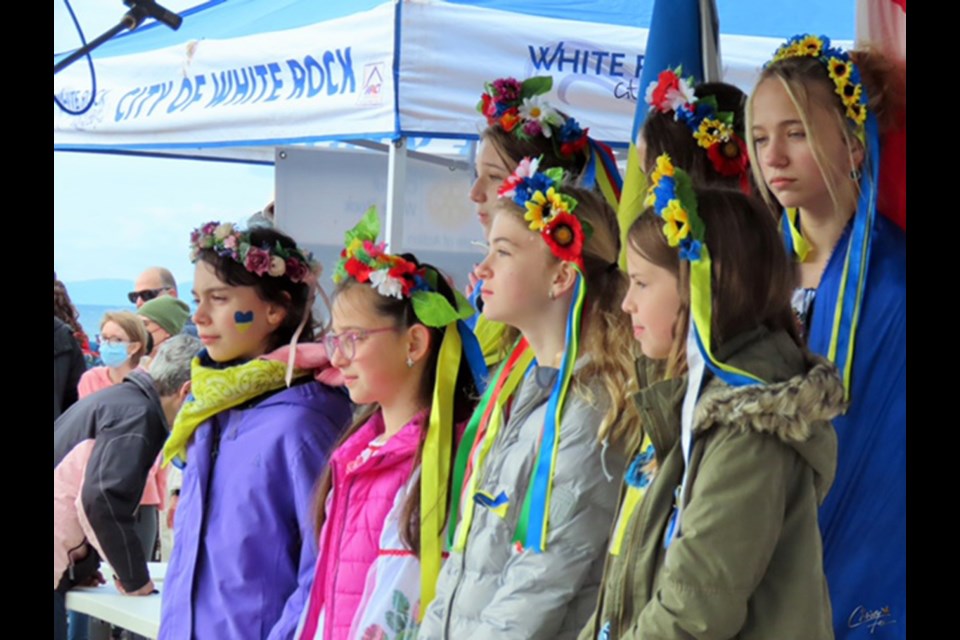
(797, 410)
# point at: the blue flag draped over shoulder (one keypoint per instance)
(863, 519)
(682, 32)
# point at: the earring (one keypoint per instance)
(409, 362)
(855, 174)
(551, 294)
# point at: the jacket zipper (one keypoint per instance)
(343, 523)
(518, 416)
(204, 517)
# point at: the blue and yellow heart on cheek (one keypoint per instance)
(243, 320)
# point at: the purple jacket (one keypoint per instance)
(244, 551)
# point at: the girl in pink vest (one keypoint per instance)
(399, 340)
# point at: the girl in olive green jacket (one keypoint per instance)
(717, 534)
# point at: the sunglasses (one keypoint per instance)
(146, 294)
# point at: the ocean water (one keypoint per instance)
(92, 314)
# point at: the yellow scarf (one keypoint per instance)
(216, 390)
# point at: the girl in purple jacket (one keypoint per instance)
(400, 342)
(252, 438)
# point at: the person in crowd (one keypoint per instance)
(252, 439)
(63, 308)
(103, 447)
(538, 470)
(123, 342)
(153, 283)
(68, 366)
(400, 342)
(717, 535)
(163, 317)
(700, 126)
(814, 123)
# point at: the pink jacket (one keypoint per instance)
(356, 510)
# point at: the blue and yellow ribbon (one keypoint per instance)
(531, 530)
(601, 171)
(479, 437)
(853, 281)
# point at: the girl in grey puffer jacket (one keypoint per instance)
(539, 469)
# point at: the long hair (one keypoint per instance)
(606, 334)
(809, 87)
(664, 133)
(63, 308)
(280, 290)
(512, 150)
(751, 280)
(465, 394)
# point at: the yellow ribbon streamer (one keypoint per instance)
(633, 497)
(800, 246)
(435, 467)
(513, 380)
(490, 337)
(701, 305)
(631, 199)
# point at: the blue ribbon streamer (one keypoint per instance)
(541, 476)
(730, 378)
(471, 350)
(787, 235)
(858, 255)
(588, 178)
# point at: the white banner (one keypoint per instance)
(449, 50)
(327, 79)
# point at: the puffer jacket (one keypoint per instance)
(357, 507)
(492, 590)
(747, 562)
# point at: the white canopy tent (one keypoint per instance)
(262, 80)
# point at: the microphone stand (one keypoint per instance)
(139, 11)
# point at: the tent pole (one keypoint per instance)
(396, 180)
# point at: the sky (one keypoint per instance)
(116, 215)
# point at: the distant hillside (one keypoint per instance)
(111, 291)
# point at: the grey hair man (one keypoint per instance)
(103, 448)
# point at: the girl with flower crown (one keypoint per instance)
(535, 483)
(522, 124)
(717, 533)
(252, 437)
(814, 125)
(399, 341)
(700, 126)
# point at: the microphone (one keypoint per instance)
(149, 8)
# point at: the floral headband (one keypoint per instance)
(673, 199)
(840, 67)
(275, 261)
(548, 210)
(367, 261)
(517, 108)
(712, 128)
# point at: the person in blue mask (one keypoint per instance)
(123, 342)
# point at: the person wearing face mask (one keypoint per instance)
(123, 342)
(163, 317)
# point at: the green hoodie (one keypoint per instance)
(748, 560)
